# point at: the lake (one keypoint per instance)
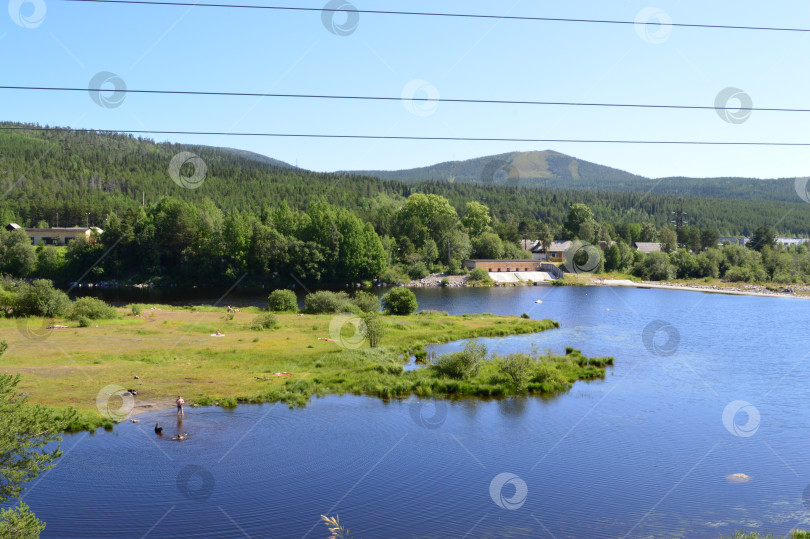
(704, 386)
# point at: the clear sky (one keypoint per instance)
(214, 49)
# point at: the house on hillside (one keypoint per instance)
(554, 253)
(648, 247)
(787, 242)
(57, 236)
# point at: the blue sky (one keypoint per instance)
(182, 48)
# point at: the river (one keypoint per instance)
(704, 386)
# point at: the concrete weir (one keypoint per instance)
(518, 276)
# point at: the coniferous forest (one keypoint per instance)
(255, 216)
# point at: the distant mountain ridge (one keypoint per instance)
(514, 169)
(553, 170)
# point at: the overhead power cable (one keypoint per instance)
(437, 14)
(418, 99)
(406, 137)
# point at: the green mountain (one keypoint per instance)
(553, 170)
(525, 169)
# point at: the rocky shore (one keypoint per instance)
(747, 289)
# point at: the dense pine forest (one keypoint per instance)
(73, 173)
(255, 217)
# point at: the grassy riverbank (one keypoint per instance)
(172, 352)
(796, 534)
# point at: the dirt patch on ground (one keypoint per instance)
(152, 405)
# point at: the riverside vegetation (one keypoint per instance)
(171, 352)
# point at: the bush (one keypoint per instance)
(462, 364)
(525, 315)
(737, 274)
(373, 329)
(445, 281)
(324, 301)
(264, 321)
(19, 298)
(418, 271)
(394, 276)
(93, 309)
(136, 309)
(282, 301)
(3, 347)
(399, 301)
(480, 275)
(366, 301)
(517, 368)
(84, 322)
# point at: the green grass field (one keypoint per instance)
(171, 351)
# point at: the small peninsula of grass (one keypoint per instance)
(168, 351)
(796, 534)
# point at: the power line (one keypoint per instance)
(437, 14)
(404, 137)
(382, 98)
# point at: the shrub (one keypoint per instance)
(480, 275)
(324, 301)
(462, 364)
(282, 301)
(366, 301)
(264, 321)
(445, 281)
(84, 322)
(399, 301)
(92, 308)
(3, 347)
(19, 298)
(394, 276)
(418, 271)
(524, 315)
(373, 329)
(136, 309)
(516, 367)
(737, 274)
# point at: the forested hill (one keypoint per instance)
(553, 170)
(528, 169)
(73, 173)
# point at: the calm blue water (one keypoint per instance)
(643, 453)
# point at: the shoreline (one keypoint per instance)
(753, 290)
(742, 289)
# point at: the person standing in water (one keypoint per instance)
(180, 403)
